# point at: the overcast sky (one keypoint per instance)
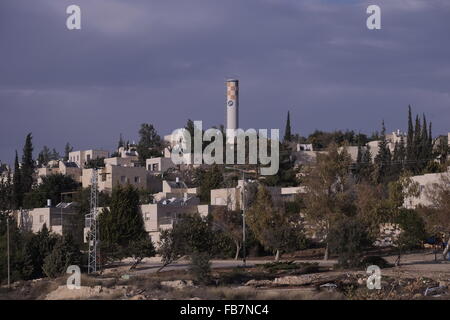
(164, 61)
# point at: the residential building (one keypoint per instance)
(59, 219)
(121, 161)
(111, 176)
(163, 214)
(174, 189)
(426, 183)
(304, 147)
(70, 169)
(83, 157)
(232, 197)
(159, 165)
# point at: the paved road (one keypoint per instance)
(413, 264)
(152, 265)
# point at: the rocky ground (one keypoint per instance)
(419, 277)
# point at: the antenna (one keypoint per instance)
(91, 222)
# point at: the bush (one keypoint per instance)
(348, 238)
(200, 267)
(413, 229)
(64, 254)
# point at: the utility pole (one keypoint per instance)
(243, 218)
(7, 246)
(243, 213)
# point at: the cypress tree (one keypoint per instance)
(401, 150)
(287, 131)
(17, 184)
(383, 158)
(121, 142)
(410, 137)
(430, 142)
(67, 149)
(27, 169)
(417, 146)
(424, 149)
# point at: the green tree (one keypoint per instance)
(274, 228)
(27, 168)
(44, 156)
(412, 231)
(410, 156)
(21, 265)
(363, 166)
(287, 131)
(140, 249)
(122, 223)
(150, 144)
(190, 234)
(67, 149)
(200, 267)
(38, 247)
(349, 238)
(64, 254)
(121, 143)
(51, 188)
(17, 184)
(208, 179)
(230, 222)
(382, 161)
(329, 192)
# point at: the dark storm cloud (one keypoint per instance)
(165, 61)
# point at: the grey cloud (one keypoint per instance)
(166, 61)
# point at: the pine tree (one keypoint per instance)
(287, 132)
(17, 184)
(27, 169)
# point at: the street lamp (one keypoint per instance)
(243, 211)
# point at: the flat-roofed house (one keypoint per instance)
(111, 176)
(59, 219)
(81, 158)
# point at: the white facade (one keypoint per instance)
(425, 183)
(82, 157)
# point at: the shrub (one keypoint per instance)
(200, 267)
(64, 254)
(348, 238)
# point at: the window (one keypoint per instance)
(137, 179)
(88, 158)
(123, 179)
(155, 167)
(41, 219)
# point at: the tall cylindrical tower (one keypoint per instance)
(232, 104)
